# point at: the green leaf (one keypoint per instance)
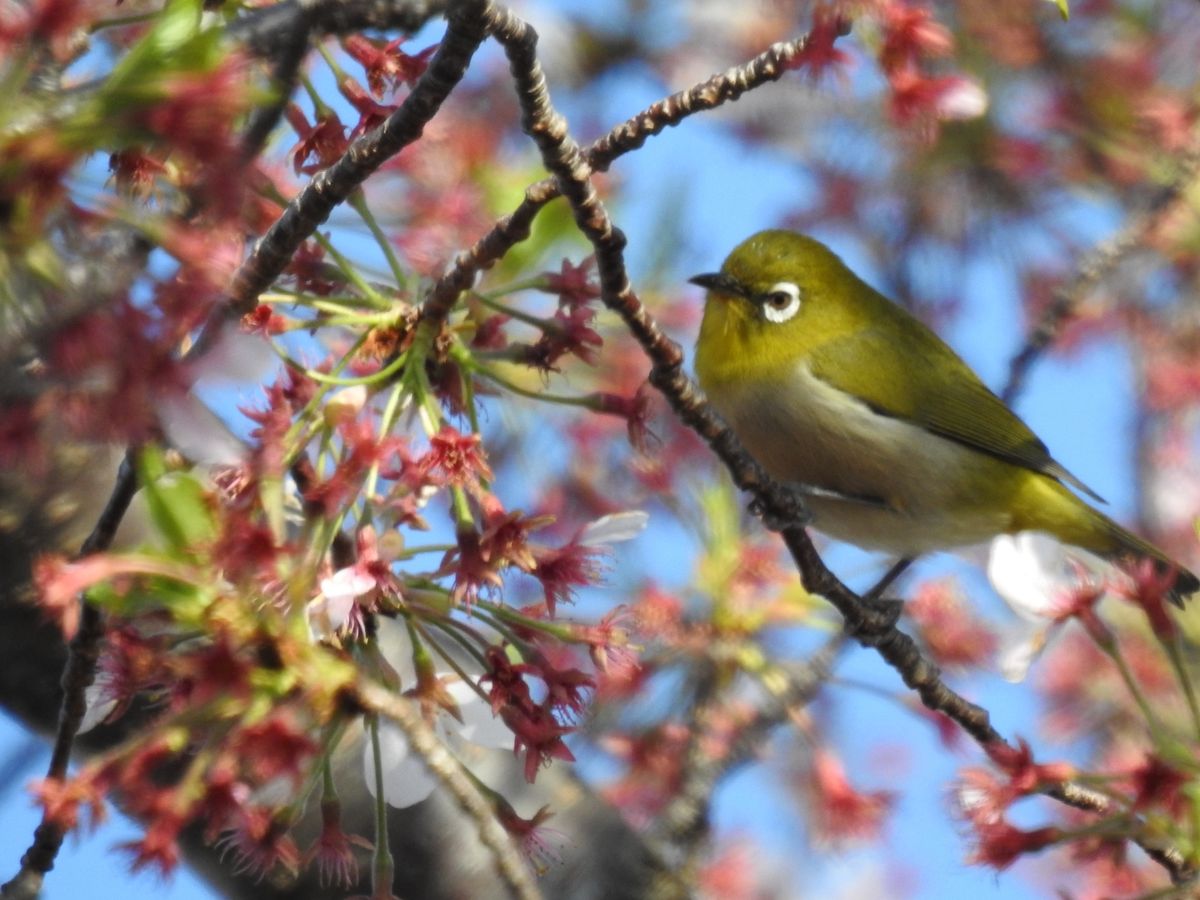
(186, 603)
(175, 44)
(178, 505)
(176, 26)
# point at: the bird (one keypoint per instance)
(832, 387)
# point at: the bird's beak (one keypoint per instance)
(720, 283)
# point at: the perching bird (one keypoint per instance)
(831, 385)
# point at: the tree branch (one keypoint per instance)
(768, 66)
(331, 187)
(1095, 266)
(78, 674)
(509, 863)
(260, 29)
(683, 824)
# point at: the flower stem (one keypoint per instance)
(358, 202)
(585, 400)
(352, 274)
(1110, 649)
(382, 869)
(1175, 653)
(390, 411)
(122, 21)
(514, 313)
(527, 284)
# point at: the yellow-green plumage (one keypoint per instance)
(830, 384)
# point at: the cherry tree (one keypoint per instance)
(363, 532)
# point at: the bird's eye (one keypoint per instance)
(781, 302)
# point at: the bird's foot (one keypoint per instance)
(879, 618)
(781, 507)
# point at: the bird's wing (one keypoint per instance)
(904, 378)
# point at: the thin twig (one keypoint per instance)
(332, 186)
(259, 29)
(768, 66)
(1095, 266)
(683, 824)
(292, 47)
(77, 676)
(509, 862)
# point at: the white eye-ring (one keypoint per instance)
(781, 302)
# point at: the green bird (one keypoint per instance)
(830, 385)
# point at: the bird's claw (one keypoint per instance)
(879, 618)
(781, 509)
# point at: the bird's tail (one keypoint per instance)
(1056, 510)
(1122, 545)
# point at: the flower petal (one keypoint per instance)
(234, 357)
(479, 725)
(100, 702)
(327, 616)
(1031, 571)
(964, 99)
(397, 649)
(346, 584)
(612, 529)
(197, 432)
(406, 780)
(1020, 648)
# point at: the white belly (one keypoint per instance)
(822, 437)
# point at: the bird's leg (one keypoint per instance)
(881, 615)
(781, 509)
(899, 567)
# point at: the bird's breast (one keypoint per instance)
(918, 492)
